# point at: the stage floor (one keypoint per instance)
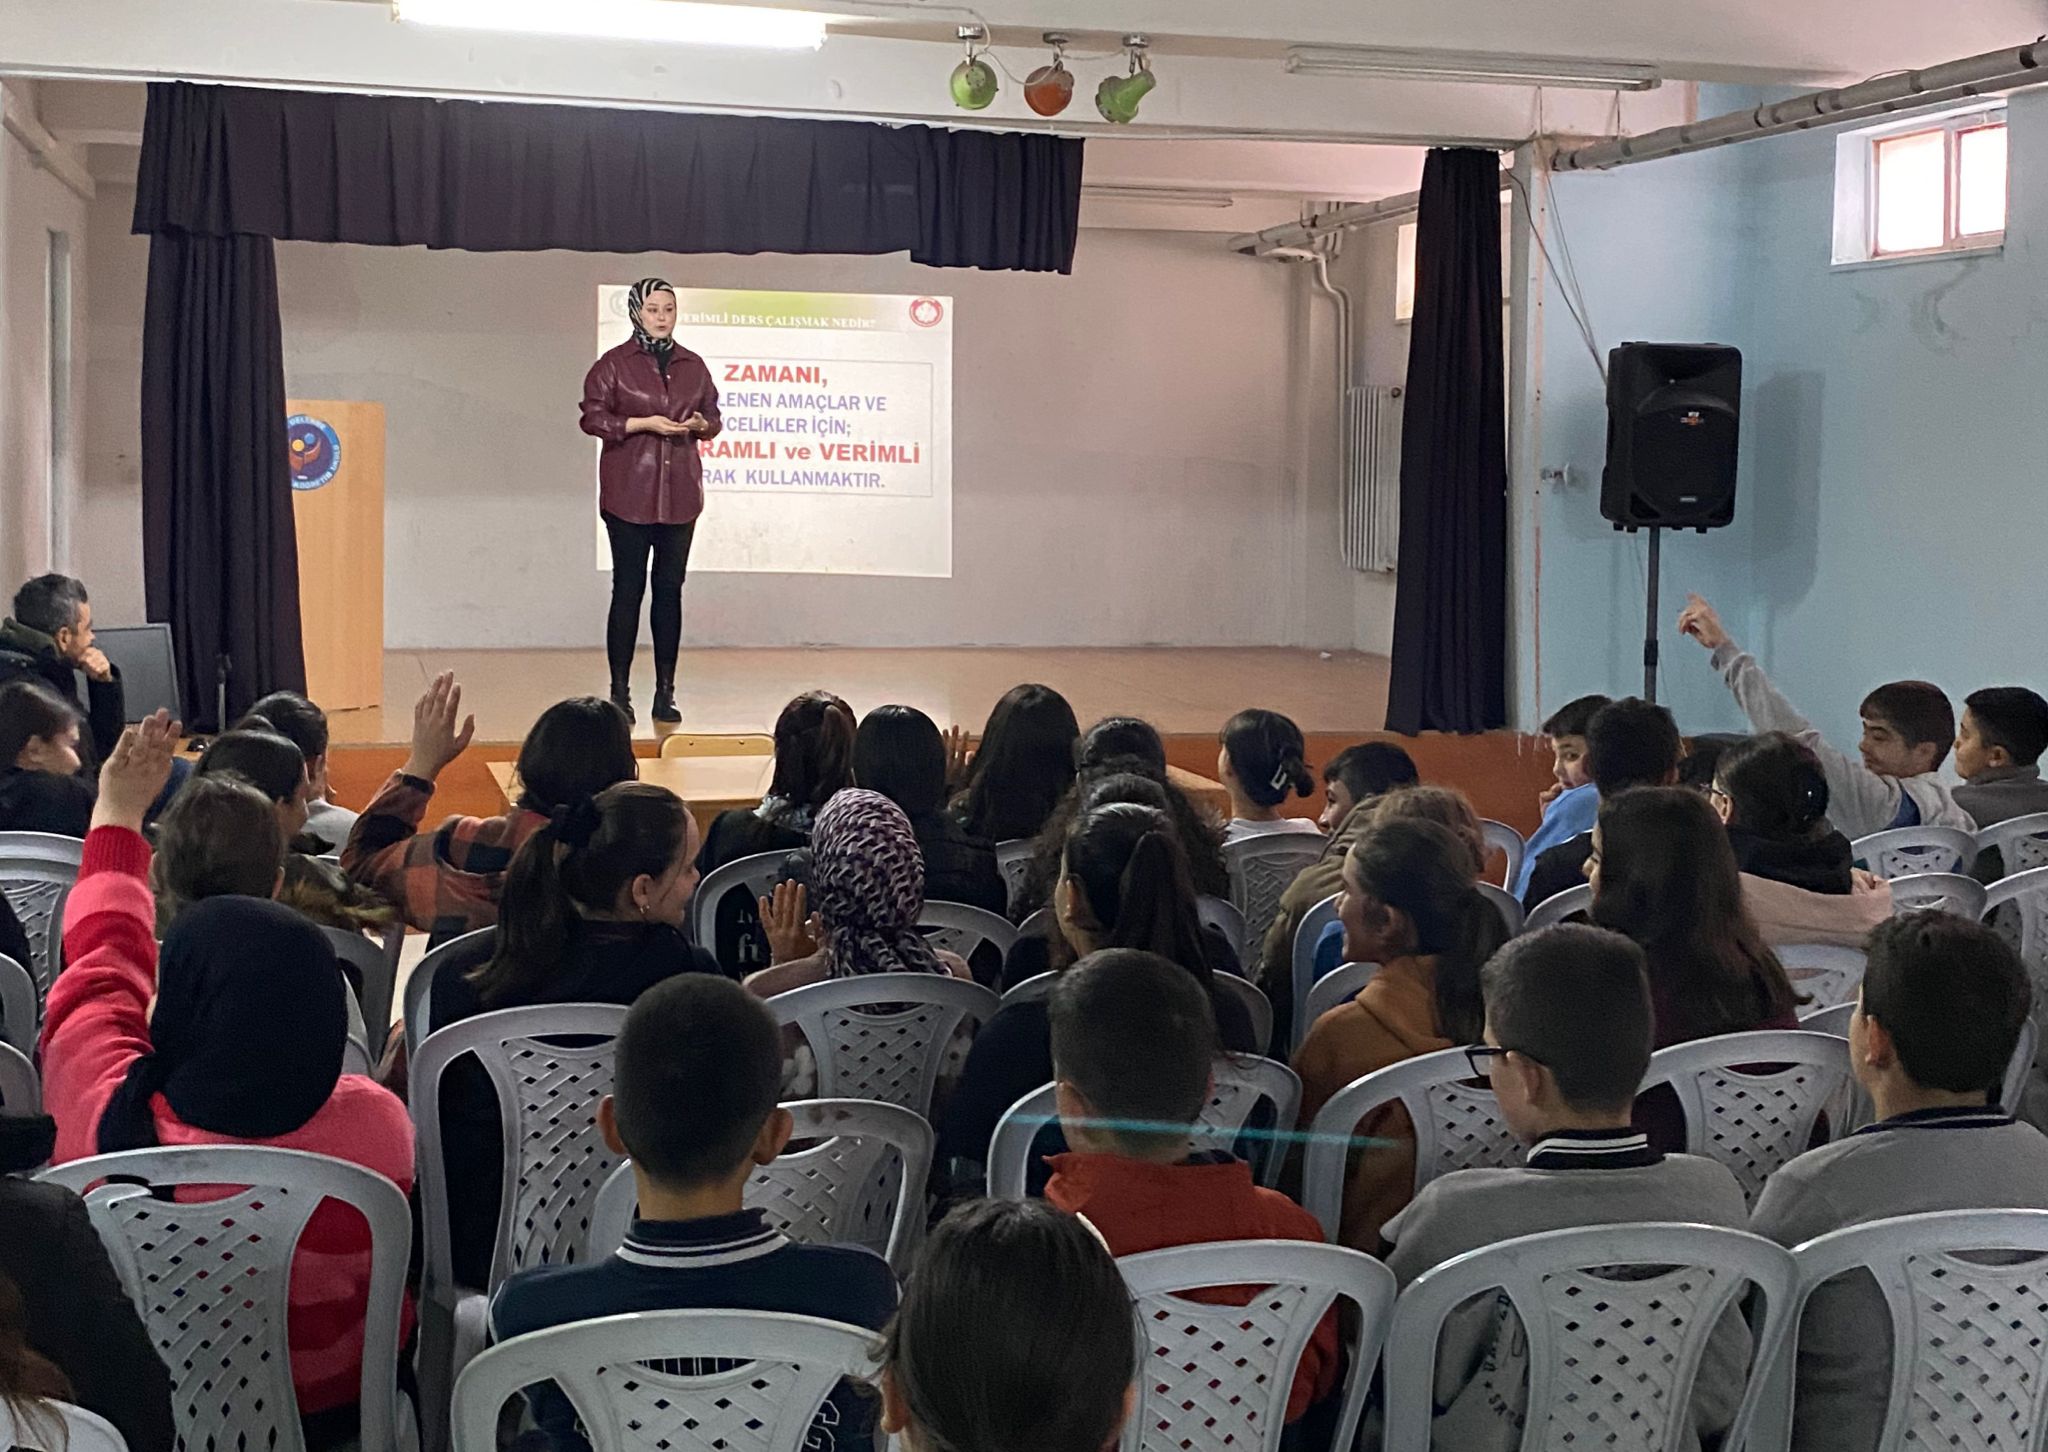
(1183, 691)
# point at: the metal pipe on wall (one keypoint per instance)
(1979, 75)
(1299, 236)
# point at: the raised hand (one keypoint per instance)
(958, 754)
(436, 739)
(791, 933)
(133, 776)
(1700, 620)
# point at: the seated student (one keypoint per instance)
(1568, 1029)
(234, 1036)
(1571, 801)
(1629, 743)
(268, 761)
(1942, 1004)
(593, 913)
(67, 1328)
(1055, 1371)
(813, 760)
(1772, 795)
(1664, 876)
(304, 724)
(1447, 807)
(696, 1072)
(1409, 904)
(1354, 781)
(1261, 761)
(899, 752)
(447, 881)
(1124, 744)
(1021, 769)
(40, 786)
(1907, 729)
(1124, 885)
(49, 639)
(1133, 1039)
(1998, 755)
(867, 889)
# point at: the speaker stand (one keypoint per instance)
(1650, 618)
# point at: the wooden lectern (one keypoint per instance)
(337, 468)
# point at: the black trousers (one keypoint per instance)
(632, 545)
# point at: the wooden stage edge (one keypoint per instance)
(1338, 700)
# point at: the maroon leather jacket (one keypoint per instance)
(645, 478)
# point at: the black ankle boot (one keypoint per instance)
(664, 708)
(622, 697)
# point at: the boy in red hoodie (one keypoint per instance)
(1133, 1036)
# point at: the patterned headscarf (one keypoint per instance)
(637, 295)
(867, 885)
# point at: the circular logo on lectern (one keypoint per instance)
(927, 312)
(315, 450)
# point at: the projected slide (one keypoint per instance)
(837, 454)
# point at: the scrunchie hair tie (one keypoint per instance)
(575, 824)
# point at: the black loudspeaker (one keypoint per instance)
(1672, 416)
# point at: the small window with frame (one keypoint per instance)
(1930, 187)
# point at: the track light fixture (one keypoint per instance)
(1117, 97)
(974, 79)
(1049, 89)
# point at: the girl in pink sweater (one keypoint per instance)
(243, 1045)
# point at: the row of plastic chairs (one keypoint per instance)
(2021, 843)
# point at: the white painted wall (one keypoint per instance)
(33, 204)
(1142, 450)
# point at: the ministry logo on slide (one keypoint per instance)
(315, 450)
(927, 312)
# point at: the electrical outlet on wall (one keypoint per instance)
(1560, 475)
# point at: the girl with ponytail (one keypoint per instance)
(592, 913)
(1408, 904)
(1263, 761)
(1123, 884)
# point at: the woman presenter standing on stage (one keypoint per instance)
(650, 400)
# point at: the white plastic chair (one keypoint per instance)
(672, 1381)
(1756, 1117)
(2026, 927)
(1831, 975)
(1457, 1122)
(1340, 985)
(37, 870)
(211, 1280)
(59, 1426)
(862, 1184)
(1224, 917)
(1904, 851)
(1257, 1006)
(1966, 1333)
(1306, 937)
(1615, 1320)
(883, 1036)
(1219, 1375)
(2021, 842)
(1241, 1083)
(1013, 861)
(21, 1090)
(457, 955)
(554, 1162)
(1948, 892)
(960, 928)
(1030, 990)
(376, 964)
(20, 1015)
(1559, 906)
(1500, 837)
(756, 873)
(1509, 906)
(1261, 868)
(1833, 1019)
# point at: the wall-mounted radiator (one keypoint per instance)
(1370, 502)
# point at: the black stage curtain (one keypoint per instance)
(496, 177)
(220, 553)
(1450, 605)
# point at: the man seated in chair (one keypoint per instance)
(1942, 1004)
(697, 1069)
(1133, 1039)
(1568, 1026)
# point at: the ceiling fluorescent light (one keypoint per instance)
(669, 22)
(1155, 196)
(1464, 66)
